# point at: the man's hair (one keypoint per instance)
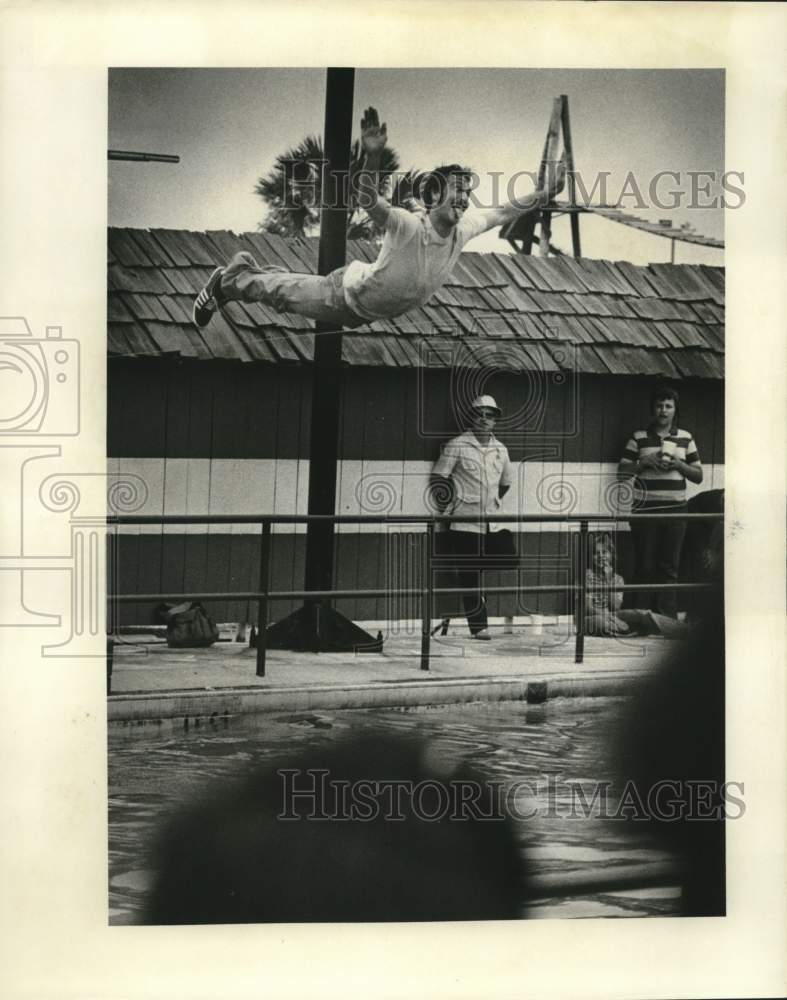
(432, 186)
(664, 392)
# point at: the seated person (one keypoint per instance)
(603, 608)
(604, 614)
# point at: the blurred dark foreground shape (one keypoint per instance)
(675, 733)
(231, 860)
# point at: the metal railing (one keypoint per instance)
(432, 563)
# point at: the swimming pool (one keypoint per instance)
(546, 747)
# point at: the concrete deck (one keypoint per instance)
(152, 683)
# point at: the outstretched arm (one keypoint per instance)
(373, 139)
(556, 180)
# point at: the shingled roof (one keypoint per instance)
(663, 319)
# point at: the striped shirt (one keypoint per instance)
(656, 487)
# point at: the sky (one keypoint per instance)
(228, 125)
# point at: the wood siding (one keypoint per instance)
(563, 430)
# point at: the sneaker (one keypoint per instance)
(483, 634)
(208, 300)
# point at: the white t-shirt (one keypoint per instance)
(414, 262)
(477, 471)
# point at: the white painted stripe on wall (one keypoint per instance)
(270, 486)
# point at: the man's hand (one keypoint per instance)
(373, 140)
(373, 135)
(691, 470)
(653, 460)
(551, 181)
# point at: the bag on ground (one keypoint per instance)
(189, 625)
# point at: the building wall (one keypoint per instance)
(230, 438)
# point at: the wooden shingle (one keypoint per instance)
(150, 248)
(637, 277)
(171, 338)
(589, 359)
(138, 279)
(254, 342)
(530, 267)
(198, 249)
(487, 269)
(280, 345)
(543, 355)
(551, 302)
(224, 341)
(116, 311)
(463, 275)
(116, 340)
(145, 307)
(493, 325)
(140, 341)
(183, 280)
(125, 250)
(306, 253)
(527, 327)
(178, 307)
(613, 358)
(170, 243)
(568, 279)
(619, 317)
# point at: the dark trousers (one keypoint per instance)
(495, 548)
(657, 548)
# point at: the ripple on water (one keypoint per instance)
(151, 772)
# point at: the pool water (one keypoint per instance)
(154, 768)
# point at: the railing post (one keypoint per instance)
(110, 662)
(427, 597)
(262, 604)
(582, 562)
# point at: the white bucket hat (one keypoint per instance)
(486, 402)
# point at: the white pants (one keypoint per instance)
(318, 297)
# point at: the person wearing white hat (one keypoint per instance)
(470, 478)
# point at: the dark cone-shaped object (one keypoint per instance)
(315, 628)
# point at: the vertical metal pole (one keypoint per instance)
(582, 563)
(262, 605)
(327, 372)
(110, 662)
(113, 587)
(672, 252)
(427, 597)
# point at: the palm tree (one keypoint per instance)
(292, 190)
